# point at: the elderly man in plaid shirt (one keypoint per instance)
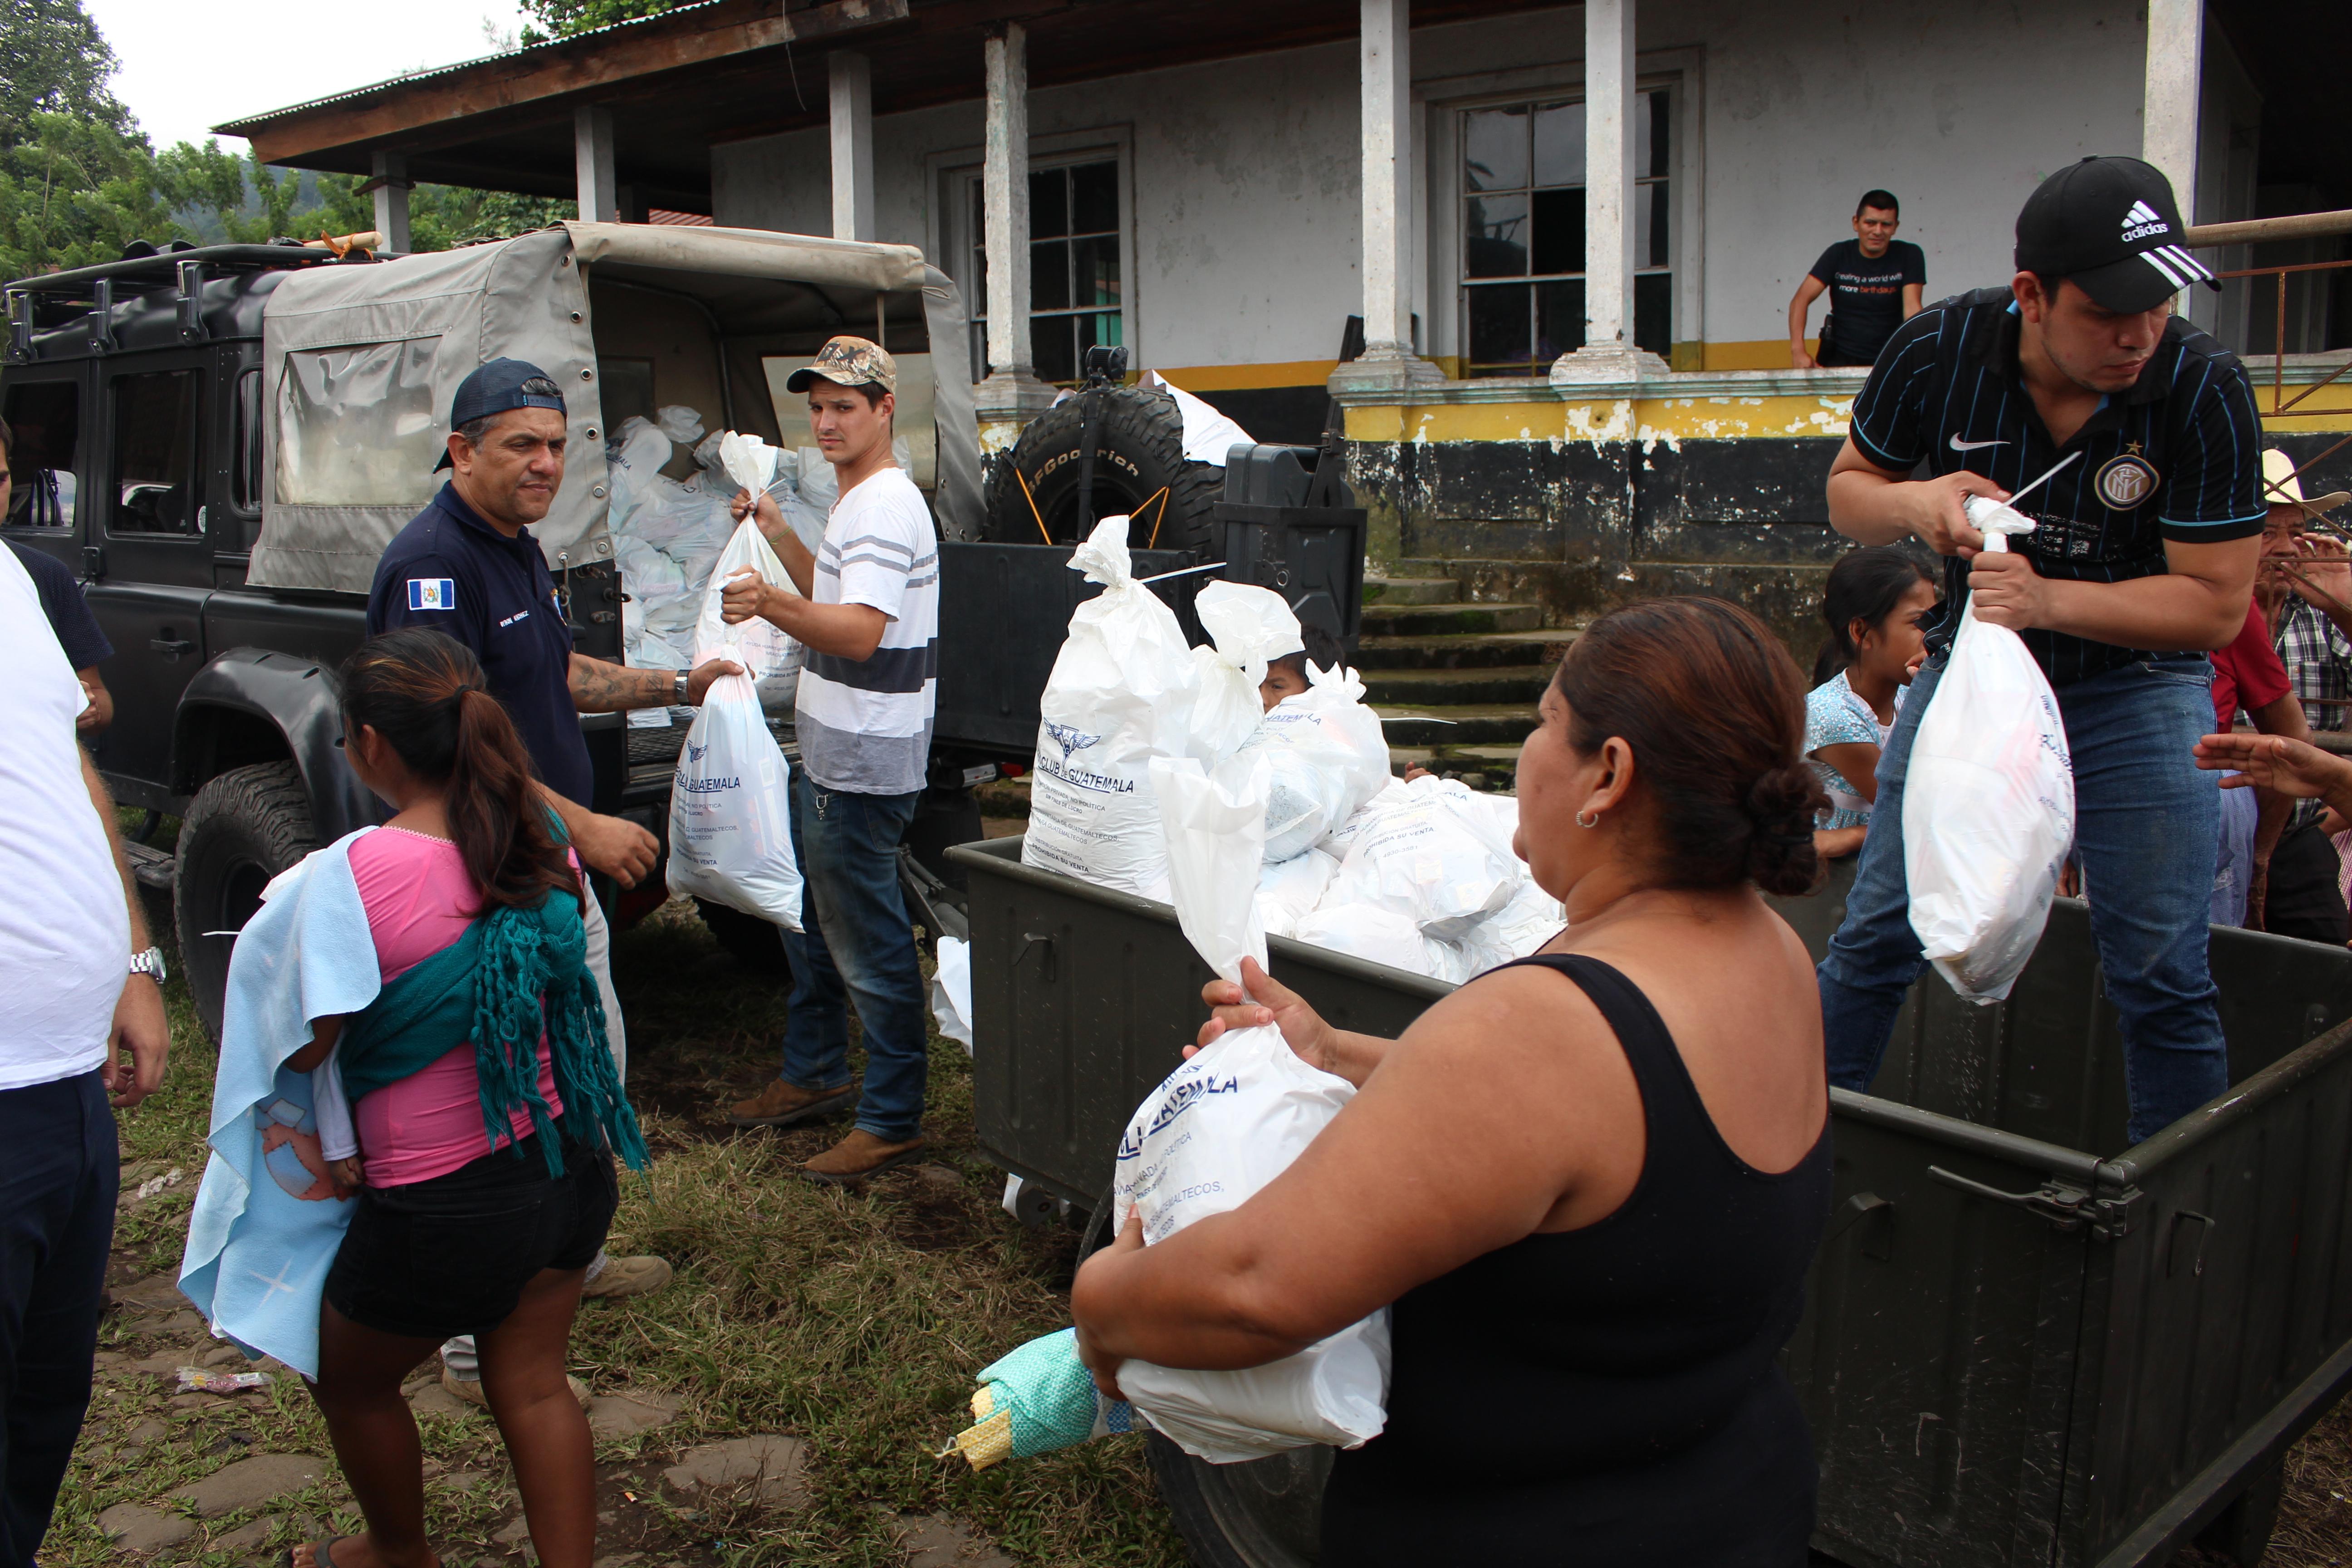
(2306, 592)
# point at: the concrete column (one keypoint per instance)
(851, 83)
(592, 160)
(1384, 59)
(2176, 74)
(1609, 104)
(1011, 392)
(391, 171)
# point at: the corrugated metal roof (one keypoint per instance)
(237, 127)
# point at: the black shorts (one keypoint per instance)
(451, 1255)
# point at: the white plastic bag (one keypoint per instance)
(951, 992)
(1988, 801)
(1435, 858)
(1288, 891)
(746, 459)
(1217, 1131)
(731, 837)
(1328, 757)
(679, 422)
(766, 651)
(1121, 694)
(1247, 625)
(1369, 933)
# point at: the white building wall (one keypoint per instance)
(1243, 173)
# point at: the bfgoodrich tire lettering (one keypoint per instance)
(243, 828)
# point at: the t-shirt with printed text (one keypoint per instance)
(1866, 293)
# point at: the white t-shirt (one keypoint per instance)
(865, 725)
(65, 941)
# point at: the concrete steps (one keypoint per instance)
(1455, 680)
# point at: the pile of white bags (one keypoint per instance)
(1216, 1132)
(1121, 694)
(1988, 802)
(1326, 758)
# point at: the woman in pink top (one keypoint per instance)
(485, 1170)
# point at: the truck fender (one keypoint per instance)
(252, 705)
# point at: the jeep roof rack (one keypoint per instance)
(162, 267)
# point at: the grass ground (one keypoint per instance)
(854, 1321)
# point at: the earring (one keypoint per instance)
(1587, 820)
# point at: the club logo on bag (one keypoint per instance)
(695, 753)
(1070, 739)
(2125, 482)
(1180, 1099)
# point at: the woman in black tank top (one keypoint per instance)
(1587, 1184)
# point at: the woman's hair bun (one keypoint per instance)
(1780, 806)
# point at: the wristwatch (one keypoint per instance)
(677, 691)
(149, 964)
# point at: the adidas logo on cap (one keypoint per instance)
(2142, 221)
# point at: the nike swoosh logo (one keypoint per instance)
(1960, 445)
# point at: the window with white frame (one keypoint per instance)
(1521, 266)
(1076, 293)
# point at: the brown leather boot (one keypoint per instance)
(780, 1104)
(860, 1156)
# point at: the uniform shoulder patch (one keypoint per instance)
(432, 594)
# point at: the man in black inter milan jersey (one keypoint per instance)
(2143, 561)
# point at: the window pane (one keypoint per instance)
(976, 303)
(1650, 123)
(1051, 343)
(154, 444)
(248, 441)
(1494, 149)
(1049, 276)
(1494, 242)
(1654, 312)
(1499, 340)
(1559, 319)
(1558, 243)
(46, 418)
(1559, 145)
(1049, 203)
(1094, 198)
(1096, 265)
(1651, 208)
(360, 426)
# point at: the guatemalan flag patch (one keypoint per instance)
(432, 594)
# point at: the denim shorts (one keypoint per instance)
(451, 1256)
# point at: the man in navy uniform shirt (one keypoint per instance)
(2143, 561)
(467, 565)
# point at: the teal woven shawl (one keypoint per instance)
(487, 986)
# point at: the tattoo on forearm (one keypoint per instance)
(601, 687)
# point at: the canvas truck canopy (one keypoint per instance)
(361, 364)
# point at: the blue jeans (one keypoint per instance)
(57, 1221)
(2145, 821)
(859, 944)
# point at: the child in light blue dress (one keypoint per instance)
(1877, 604)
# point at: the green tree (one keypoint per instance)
(561, 18)
(54, 60)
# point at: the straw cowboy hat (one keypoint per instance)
(2280, 487)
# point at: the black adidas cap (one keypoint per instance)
(2110, 225)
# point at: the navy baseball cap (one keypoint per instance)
(496, 387)
(2110, 225)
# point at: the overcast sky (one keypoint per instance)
(186, 67)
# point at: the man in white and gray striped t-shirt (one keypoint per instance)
(868, 613)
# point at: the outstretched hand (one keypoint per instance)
(2273, 762)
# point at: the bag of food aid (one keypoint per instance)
(1434, 855)
(1222, 1126)
(1247, 625)
(951, 992)
(730, 823)
(767, 653)
(1988, 800)
(1288, 891)
(1328, 757)
(1121, 694)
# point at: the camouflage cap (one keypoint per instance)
(849, 361)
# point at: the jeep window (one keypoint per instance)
(45, 416)
(245, 488)
(154, 453)
(358, 425)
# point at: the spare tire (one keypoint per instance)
(1139, 454)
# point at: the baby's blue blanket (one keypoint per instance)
(267, 1222)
